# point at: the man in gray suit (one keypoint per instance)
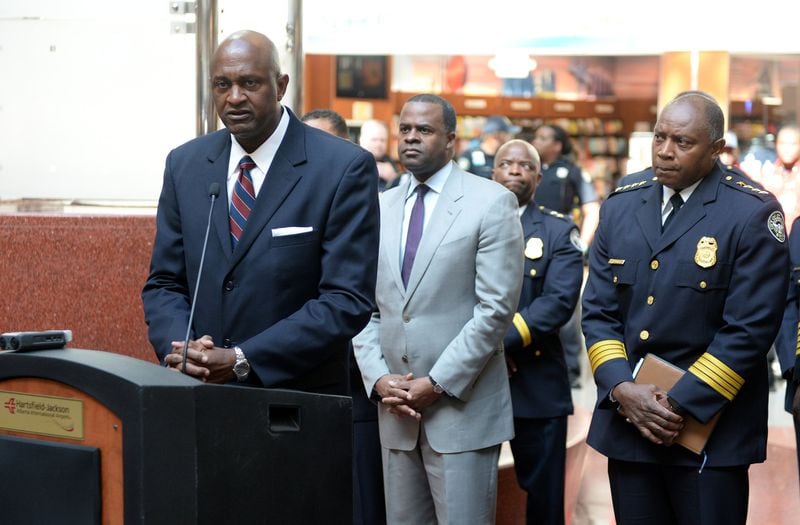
(449, 277)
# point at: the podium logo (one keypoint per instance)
(11, 405)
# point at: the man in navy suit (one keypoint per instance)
(282, 293)
(538, 376)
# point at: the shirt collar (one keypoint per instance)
(435, 182)
(667, 193)
(264, 154)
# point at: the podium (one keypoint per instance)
(91, 437)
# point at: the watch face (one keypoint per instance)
(241, 369)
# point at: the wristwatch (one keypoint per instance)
(436, 388)
(242, 367)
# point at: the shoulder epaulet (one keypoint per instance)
(553, 213)
(737, 179)
(635, 185)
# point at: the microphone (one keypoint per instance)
(213, 192)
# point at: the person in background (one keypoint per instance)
(374, 137)
(290, 266)
(480, 159)
(368, 504)
(674, 273)
(327, 120)
(729, 156)
(449, 280)
(567, 189)
(540, 389)
(782, 177)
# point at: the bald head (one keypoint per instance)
(240, 41)
(247, 86)
(374, 138)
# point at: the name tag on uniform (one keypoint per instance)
(616, 262)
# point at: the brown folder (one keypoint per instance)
(663, 374)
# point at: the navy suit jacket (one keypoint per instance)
(551, 285)
(290, 302)
(706, 295)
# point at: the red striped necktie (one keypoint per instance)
(242, 200)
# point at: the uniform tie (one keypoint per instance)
(677, 202)
(414, 232)
(242, 200)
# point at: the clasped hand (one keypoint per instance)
(204, 361)
(647, 408)
(405, 395)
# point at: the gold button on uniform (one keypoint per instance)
(644, 335)
(650, 299)
(537, 353)
(703, 285)
(533, 272)
(728, 178)
(654, 264)
(615, 279)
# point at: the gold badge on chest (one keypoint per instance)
(706, 254)
(534, 248)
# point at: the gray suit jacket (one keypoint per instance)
(450, 322)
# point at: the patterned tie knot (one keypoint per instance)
(246, 163)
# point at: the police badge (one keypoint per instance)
(706, 254)
(775, 224)
(534, 248)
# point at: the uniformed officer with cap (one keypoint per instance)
(480, 160)
(687, 262)
(540, 389)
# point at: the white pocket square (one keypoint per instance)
(291, 230)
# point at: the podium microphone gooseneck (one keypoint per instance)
(213, 192)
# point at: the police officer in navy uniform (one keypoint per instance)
(787, 344)
(540, 390)
(693, 280)
(480, 160)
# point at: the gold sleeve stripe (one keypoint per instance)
(603, 351)
(797, 345)
(522, 328)
(719, 376)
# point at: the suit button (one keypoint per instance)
(644, 335)
(650, 299)
(404, 358)
(227, 343)
(654, 264)
(406, 318)
(228, 286)
(533, 272)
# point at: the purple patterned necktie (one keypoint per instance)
(414, 232)
(242, 200)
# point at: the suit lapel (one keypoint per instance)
(217, 171)
(529, 218)
(447, 209)
(649, 214)
(392, 225)
(281, 178)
